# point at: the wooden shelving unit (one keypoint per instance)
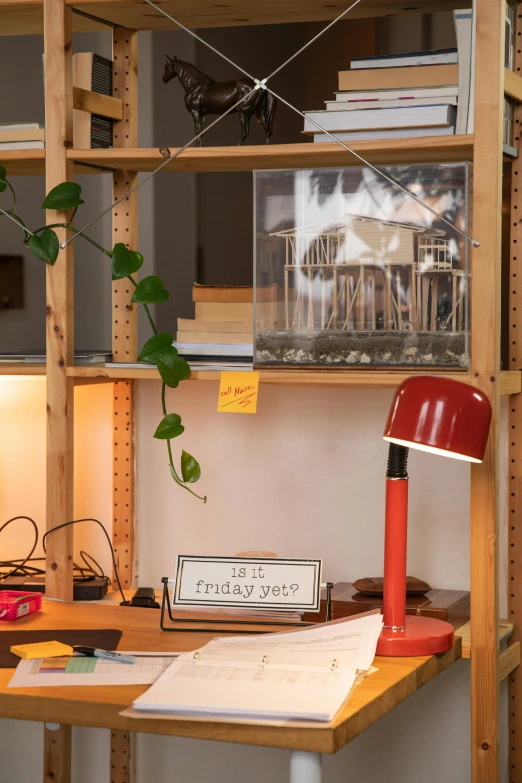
(57, 19)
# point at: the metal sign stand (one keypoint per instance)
(175, 622)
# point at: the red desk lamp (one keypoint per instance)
(443, 417)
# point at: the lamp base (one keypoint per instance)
(421, 636)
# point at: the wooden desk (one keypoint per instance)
(395, 680)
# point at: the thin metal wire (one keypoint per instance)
(162, 165)
(261, 84)
(319, 34)
(378, 171)
(17, 223)
(201, 40)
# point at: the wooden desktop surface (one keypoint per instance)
(395, 680)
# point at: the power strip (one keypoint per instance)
(93, 590)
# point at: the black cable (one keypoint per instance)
(88, 519)
(22, 564)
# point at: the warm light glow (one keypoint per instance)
(432, 450)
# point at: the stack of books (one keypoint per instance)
(222, 331)
(414, 94)
(22, 136)
(398, 96)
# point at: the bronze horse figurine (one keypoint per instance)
(204, 95)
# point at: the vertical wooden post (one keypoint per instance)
(59, 347)
(57, 753)
(123, 481)
(124, 346)
(515, 437)
(123, 757)
(60, 302)
(125, 215)
(485, 358)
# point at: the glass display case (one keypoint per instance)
(351, 271)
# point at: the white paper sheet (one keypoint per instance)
(146, 670)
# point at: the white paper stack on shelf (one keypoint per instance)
(300, 675)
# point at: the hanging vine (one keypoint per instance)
(159, 349)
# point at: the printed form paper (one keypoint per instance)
(86, 670)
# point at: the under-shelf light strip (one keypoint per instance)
(262, 84)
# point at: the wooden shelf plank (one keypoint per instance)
(21, 370)
(273, 156)
(505, 630)
(207, 13)
(395, 680)
(513, 85)
(278, 156)
(369, 379)
(96, 103)
(25, 17)
(510, 382)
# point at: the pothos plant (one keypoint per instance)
(159, 350)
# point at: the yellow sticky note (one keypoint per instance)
(238, 392)
(41, 650)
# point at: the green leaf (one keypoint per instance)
(190, 469)
(3, 172)
(172, 368)
(150, 290)
(46, 246)
(64, 196)
(124, 261)
(154, 346)
(169, 427)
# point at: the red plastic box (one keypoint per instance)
(14, 604)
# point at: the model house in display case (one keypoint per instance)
(349, 270)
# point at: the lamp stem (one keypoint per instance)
(395, 537)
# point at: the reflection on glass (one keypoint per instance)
(350, 271)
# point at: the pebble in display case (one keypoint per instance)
(351, 271)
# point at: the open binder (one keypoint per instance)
(293, 675)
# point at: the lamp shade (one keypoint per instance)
(441, 416)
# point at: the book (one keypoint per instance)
(22, 145)
(197, 350)
(343, 96)
(386, 119)
(400, 133)
(37, 356)
(397, 103)
(463, 29)
(92, 72)
(407, 59)
(227, 294)
(299, 675)
(193, 325)
(10, 134)
(231, 294)
(218, 311)
(224, 338)
(20, 126)
(392, 78)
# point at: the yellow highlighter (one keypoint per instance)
(51, 649)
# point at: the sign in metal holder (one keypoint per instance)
(175, 622)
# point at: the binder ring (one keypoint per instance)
(264, 661)
(195, 658)
(334, 664)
